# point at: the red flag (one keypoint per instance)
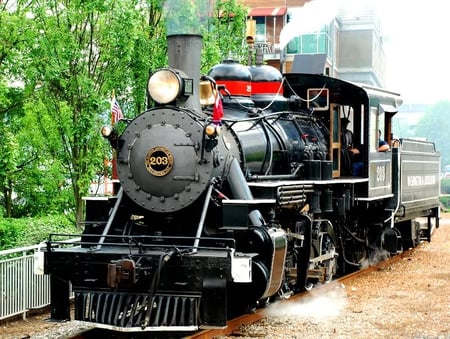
(116, 111)
(217, 109)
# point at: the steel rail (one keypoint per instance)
(234, 325)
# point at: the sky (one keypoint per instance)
(416, 39)
(417, 47)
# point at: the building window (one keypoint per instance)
(260, 29)
(311, 43)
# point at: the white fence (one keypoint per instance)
(20, 288)
(23, 286)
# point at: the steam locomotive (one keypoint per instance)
(215, 214)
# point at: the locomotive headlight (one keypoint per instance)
(166, 85)
(212, 130)
(106, 131)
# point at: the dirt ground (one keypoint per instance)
(407, 299)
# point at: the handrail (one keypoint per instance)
(33, 247)
(21, 288)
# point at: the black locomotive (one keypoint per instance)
(215, 215)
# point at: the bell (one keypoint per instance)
(207, 93)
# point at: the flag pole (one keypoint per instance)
(114, 174)
(113, 98)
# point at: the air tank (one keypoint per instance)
(237, 80)
(267, 86)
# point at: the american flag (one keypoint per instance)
(116, 111)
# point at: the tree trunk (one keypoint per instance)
(79, 206)
(7, 192)
(79, 211)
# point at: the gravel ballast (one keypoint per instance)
(409, 298)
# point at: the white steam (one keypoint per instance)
(308, 19)
(315, 14)
(316, 306)
(185, 16)
(376, 255)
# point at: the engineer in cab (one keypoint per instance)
(383, 146)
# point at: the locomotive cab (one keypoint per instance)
(398, 181)
(354, 114)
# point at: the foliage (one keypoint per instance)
(224, 35)
(445, 186)
(445, 200)
(434, 125)
(8, 165)
(79, 54)
(31, 231)
(185, 16)
(20, 165)
(445, 193)
(14, 159)
(65, 58)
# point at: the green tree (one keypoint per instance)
(8, 168)
(224, 34)
(13, 33)
(81, 51)
(434, 125)
(69, 56)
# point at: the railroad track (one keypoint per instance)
(234, 325)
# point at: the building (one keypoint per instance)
(346, 43)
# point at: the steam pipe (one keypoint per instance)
(294, 175)
(240, 190)
(238, 184)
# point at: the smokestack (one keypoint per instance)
(184, 55)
